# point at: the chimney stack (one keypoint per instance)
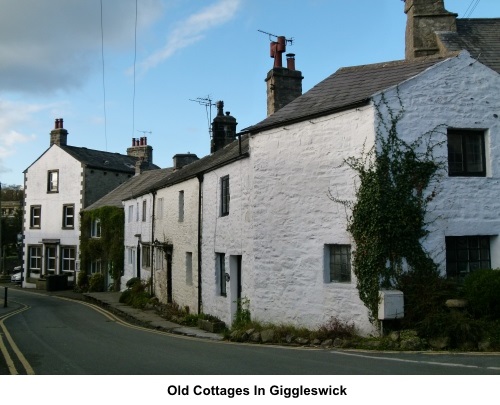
(183, 159)
(424, 18)
(140, 149)
(283, 84)
(223, 129)
(59, 135)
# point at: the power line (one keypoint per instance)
(135, 59)
(103, 84)
(471, 8)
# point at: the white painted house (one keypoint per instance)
(58, 185)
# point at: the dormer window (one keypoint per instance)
(53, 181)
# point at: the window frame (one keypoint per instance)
(181, 206)
(66, 216)
(130, 213)
(95, 228)
(68, 260)
(53, 186)
(465, 135)
(144, 210)
(338, 256)
(38, 259)
(146, 256)
(35, 220)
(478, 255)
(225, 196)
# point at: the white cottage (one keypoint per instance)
(296, 155)
(58, 185)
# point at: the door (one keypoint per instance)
(235, 284)
(169, 278)
(50, 259)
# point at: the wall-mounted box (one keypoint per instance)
(391, 304)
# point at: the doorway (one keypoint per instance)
(235, 286)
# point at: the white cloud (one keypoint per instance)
(191, 30)
(52, 45)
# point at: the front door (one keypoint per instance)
(50, 259)
(235, 284)
(169, 278)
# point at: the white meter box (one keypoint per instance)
(391, 304)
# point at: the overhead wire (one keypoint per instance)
(135, 60)
(103, 83)
(471, 8)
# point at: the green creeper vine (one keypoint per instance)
(388, 219)
(109, 247)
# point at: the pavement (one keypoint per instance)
(110, 301)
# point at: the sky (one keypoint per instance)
(113, 74)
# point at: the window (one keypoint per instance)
(465, 254)
(221, 272)
(95, 266)
(181, 206)
(159, 208)
(466, 153)
(35, 259)
(130, 213)
(53, 181)
(68, 216)
(95, 231)
(339, 263)
(137, 213)
(189, 268)
(35, 216)
(68, 258)
(146, 256)
(144, 209)
(224, 196)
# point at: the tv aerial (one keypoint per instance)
(208, 103)
(278, 47)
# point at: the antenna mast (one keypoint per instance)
(207, 102)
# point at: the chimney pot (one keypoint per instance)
(290, 61)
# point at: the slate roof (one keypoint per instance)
(479, 36)
(347, 88)
(137, 185)
(98, 159)
(222, 157)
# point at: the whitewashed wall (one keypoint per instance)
(183, 235)
(70, 180)
(231, 234)
(458, 93)
(134, 225)
(294, 169)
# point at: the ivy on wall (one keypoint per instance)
(388, 216)
(109, 247)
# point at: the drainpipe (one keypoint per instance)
(153, 192)
(200, 201)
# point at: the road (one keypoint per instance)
(52, 336)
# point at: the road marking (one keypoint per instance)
(8, 359)
(13, 346)
(435, 363)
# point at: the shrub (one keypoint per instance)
(481, 290)
(425, 294)
(96, 282)
(132, 281)
(82, 281)
(336, 328)
(458, 326)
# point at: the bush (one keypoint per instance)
(458, 326)
(137, 294)
(82, 281)
(336, 328)
(132, 281)
(96, 282)
(481, 289)
(425, 294)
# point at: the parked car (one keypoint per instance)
(17, 276)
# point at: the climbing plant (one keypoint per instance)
(109, 247)
(397, 180)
